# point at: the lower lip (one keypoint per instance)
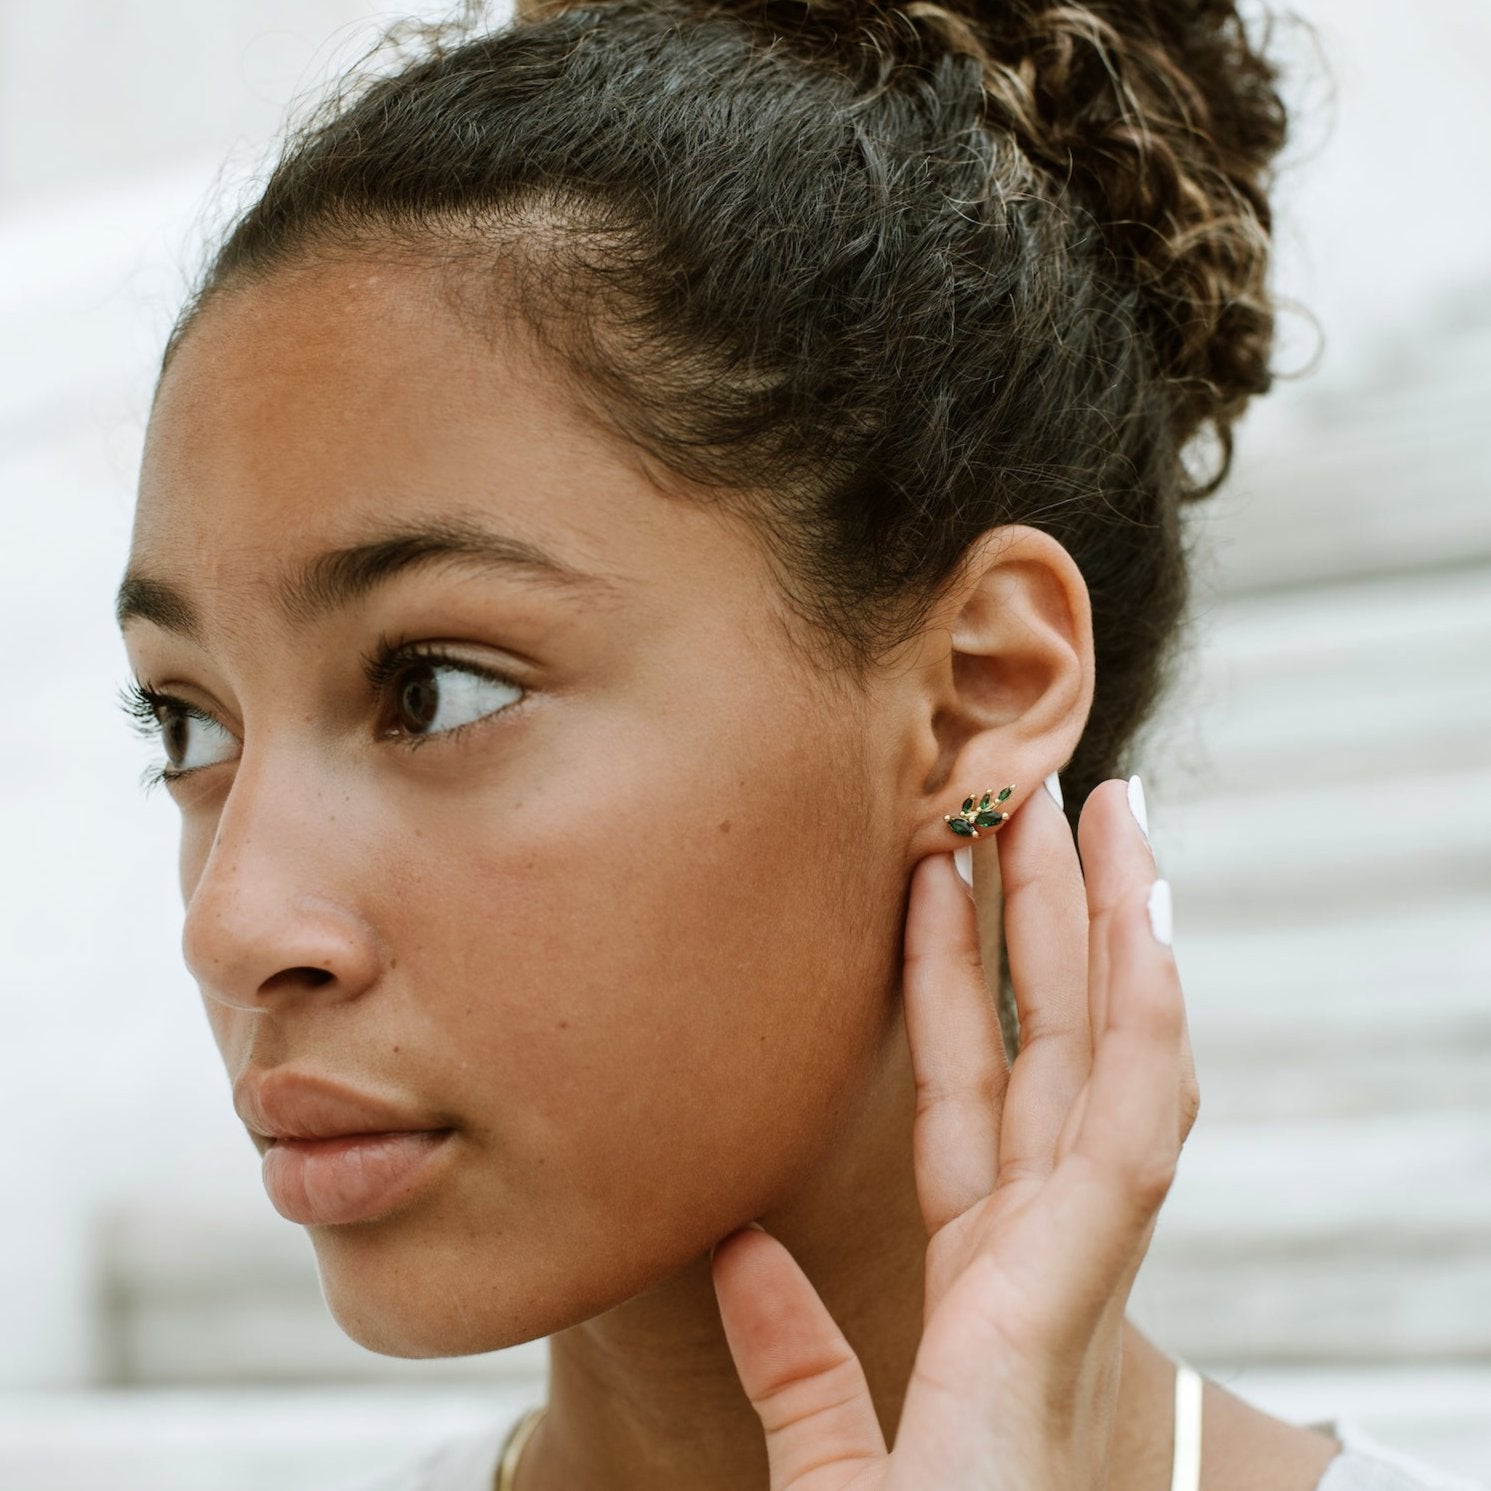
(323, 1182)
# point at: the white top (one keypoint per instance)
(470, 1464)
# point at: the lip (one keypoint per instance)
(285, 1104)
(327, 1182)
(335, 1154)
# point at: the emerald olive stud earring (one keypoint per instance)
(976, 815)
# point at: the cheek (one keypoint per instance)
(650, 982)
(673, 977)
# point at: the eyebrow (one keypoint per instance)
(341, 577)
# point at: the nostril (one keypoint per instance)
(251, 942)
(304, 978)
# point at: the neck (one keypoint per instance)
(645, 1397)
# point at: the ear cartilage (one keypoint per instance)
(976, 814)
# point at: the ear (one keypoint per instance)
(1005, 680)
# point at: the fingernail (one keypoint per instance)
(1137, 807)
(963, 864)
(1053, 786)
(714, 1247)
(1161, 912)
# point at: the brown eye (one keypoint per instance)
(432, 696)
(185, 732)
(419, 699)
(174, 732)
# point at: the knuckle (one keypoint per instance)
(806, 1389)
(1042, 1027)
(1152, 1179)
(979, 1090)
(1023, 1168)
(1190, 1103)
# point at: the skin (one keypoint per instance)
(637, 936)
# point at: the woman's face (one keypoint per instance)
(598, 876)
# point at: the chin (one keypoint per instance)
(429, 1291)
(417, 1285)
(409, 1297)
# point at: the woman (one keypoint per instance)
(632, 510)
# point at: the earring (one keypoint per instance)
(976, 815)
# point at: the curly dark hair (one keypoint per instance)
(886, 275)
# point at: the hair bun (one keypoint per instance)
(1164, 117)
(1158, 118)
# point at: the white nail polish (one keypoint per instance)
(1137, 807)
(1161, 912)
(1053, 786)
(963, 864)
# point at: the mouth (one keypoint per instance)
(351, 1177)
(333, 1154)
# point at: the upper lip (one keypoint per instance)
(284, 1104)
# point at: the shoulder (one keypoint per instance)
(467, 1462)
(1365, 1464)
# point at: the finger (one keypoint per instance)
(1045, 929)
(1116, 863)
(1135, 1110)
(957, 1051)
(803, 1379)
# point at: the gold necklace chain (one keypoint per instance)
(512, 1451)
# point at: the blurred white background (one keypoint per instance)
(1320, 794)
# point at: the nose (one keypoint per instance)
(273, 914)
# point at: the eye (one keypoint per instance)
(432, 694)
(190, 737)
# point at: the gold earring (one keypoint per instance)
(976, 815)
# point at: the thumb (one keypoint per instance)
(803, 1379)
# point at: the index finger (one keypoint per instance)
(1046, 934)
(957, 1050)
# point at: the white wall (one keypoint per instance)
(92, 91)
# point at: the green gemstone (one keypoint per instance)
(967, 804)
(990, 820)
(961, 826)
(1004, 794)
(984, 803)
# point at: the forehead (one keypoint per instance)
(301, 412)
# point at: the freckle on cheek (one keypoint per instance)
(724, 825)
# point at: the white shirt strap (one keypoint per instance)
(1185, 1472)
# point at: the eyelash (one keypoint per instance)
(143, 704)
(140, 702)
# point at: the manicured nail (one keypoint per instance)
(963, 864)
(1137, 807)
(1161, 912)
(1053, 786)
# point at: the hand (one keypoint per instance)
(1039, 1183)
